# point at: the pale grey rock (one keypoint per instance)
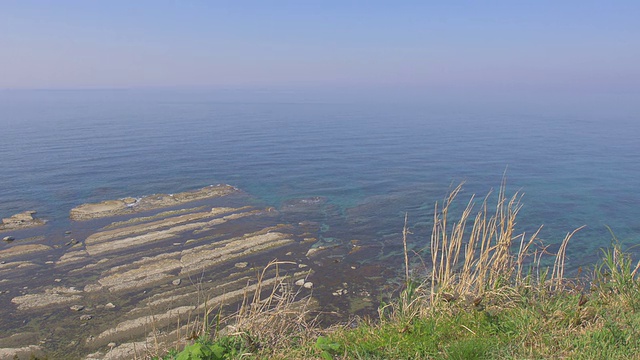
(26, 352)
(340, 292)
(21, 250)
(22, 220)
(51, 297)
(71, 242)
(314, 251)
(130, 205)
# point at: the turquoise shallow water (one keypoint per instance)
(370, 162)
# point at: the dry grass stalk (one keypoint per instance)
(405, 231)
(557, 275)
(635, 270)
(488, 262)
(268, 321)
(273, 320)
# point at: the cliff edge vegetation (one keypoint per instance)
(487, 293)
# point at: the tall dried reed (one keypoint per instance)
(478, 251)
(277, 319)
(491, 254)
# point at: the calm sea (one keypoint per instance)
(372, 162)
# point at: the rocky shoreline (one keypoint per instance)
(132, 283)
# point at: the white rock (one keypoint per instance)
(340, 292)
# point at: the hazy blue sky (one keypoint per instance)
(538, 45)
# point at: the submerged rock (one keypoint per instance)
(315, 250)
(303, 205)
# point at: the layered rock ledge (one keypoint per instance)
(133, 205)
(21, 220)
(105, 290)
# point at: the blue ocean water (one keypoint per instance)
(371, 161)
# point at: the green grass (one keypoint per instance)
(487, 297)
(204, 348)
(533, 327)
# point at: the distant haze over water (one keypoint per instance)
(577, 161)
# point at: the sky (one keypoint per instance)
(438, 45)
